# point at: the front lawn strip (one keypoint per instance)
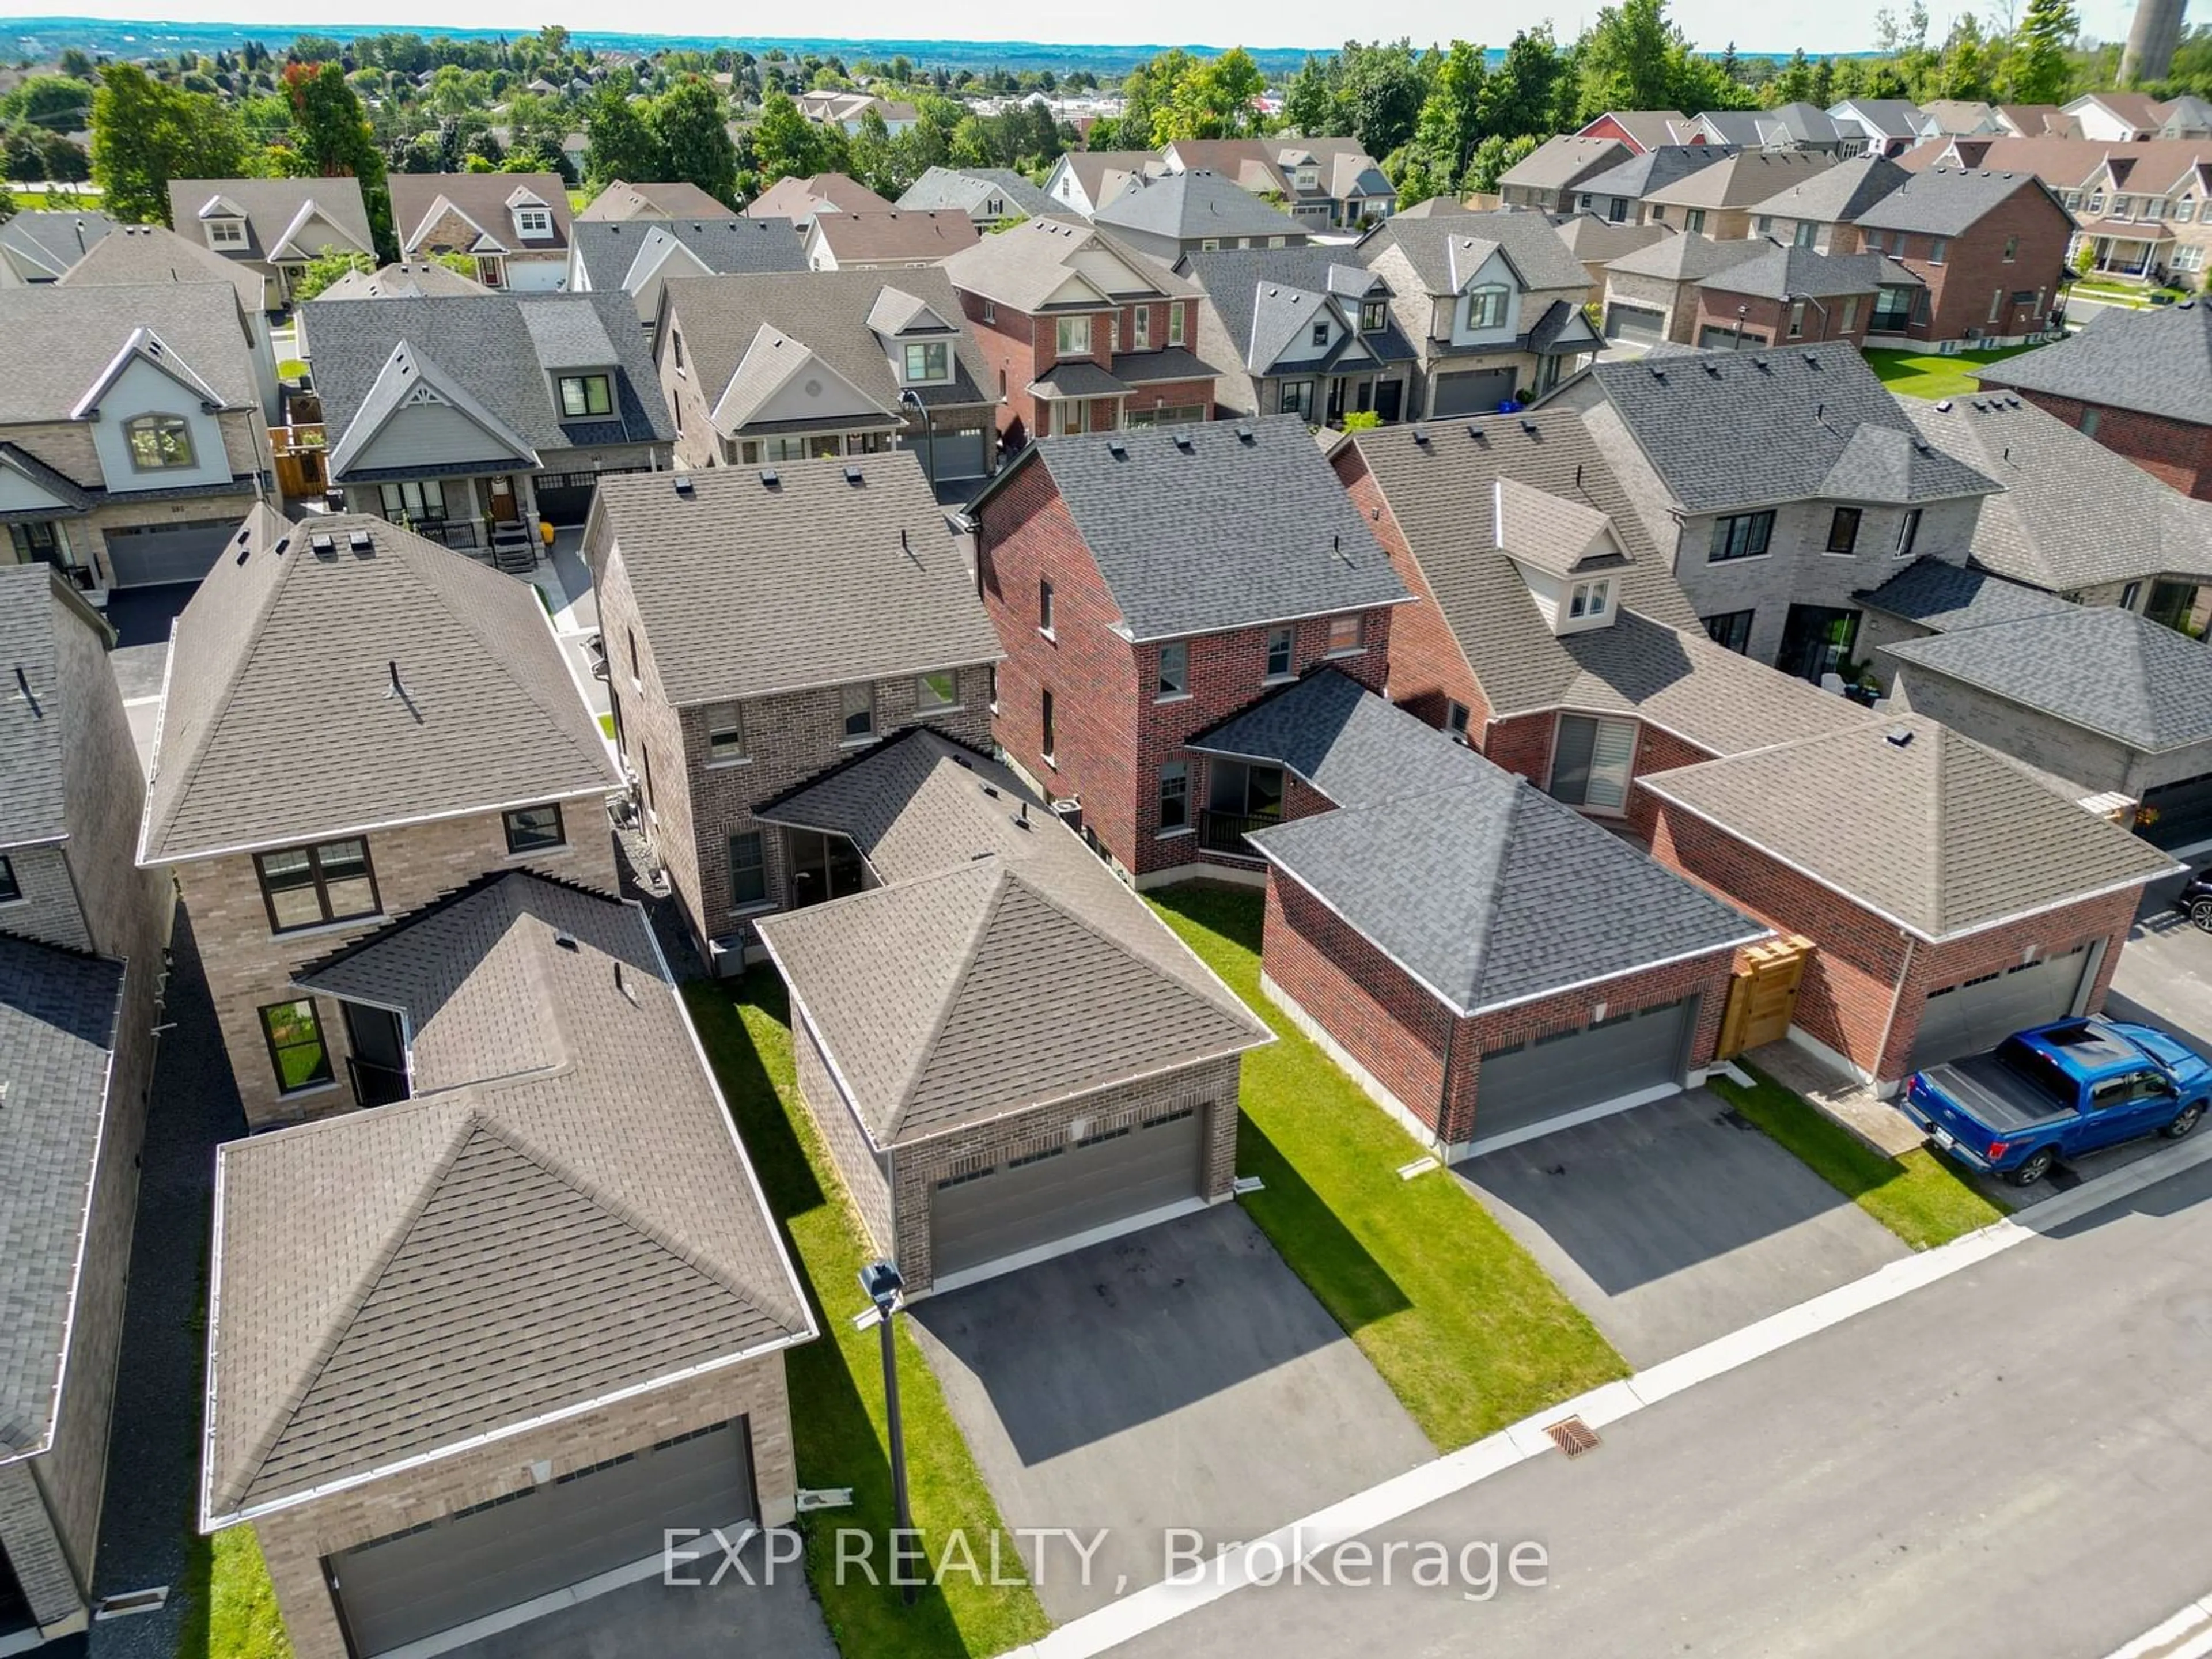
(1458, 1319)
(1932, 374)
(838, 1420)
(1921, 1199)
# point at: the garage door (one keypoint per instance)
(1728, 339)
(1635, 323)
(480, 1560)
(168, 553)
(566, 497)
(1478, 393)
(2184, 810)
(1983, 1012)
(1024, 1202)
(1534, 1081)
(955, 454)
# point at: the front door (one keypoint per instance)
(503, 510)
(1389, 397)
(1816, 640)
(379, 1059)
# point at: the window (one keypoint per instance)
(294, 1032)
(725, 733)
(1298, 398)
(226, 233)
(10, 889)
(586, 394)
(1069, 411)
(533, 828)
(2124, 207)
(860, 712)
(1346, 635)
(2096, 202)
(1455, 719)
(1761, 226)
(1937, 247)
(2088, 423)
(413, 501)
(2184, 209)
(159, 442)
(1209, 245)
(935, 691)
(1486, 308)
(1908, 533)
(1374, 315)
(1805, 234)
(928, 359)
(1796, 319)
(1658, 213)
(1844, 530)
(1731, 630)
(1048, 735)
(1877, 241)
(1175, 670)
(748, 869)
(1591, 760)
(1174, 796)
(308, 886)
(1140, 329)
(1589, 598)
(1241, 791)
(2012, 249)
(990, 312)
(1072, 336)
(994, 207)
(1694, 221)
(533, 221)
(1743, 536)
(1851, 317)
(1281, 643)
(2190, 257)
(1044, 607)
(1320, 335)
(635, 682)
(2129, 594)
(1175, 325)
(1997, 305)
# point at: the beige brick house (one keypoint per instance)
(357, 723)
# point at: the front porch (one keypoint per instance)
(470, 512)
(2140, 252)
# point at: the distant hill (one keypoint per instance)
(43, 38)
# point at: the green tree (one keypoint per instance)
(1522, 95)
(327, 267)
(1964, 71)
(1212, 100)
(60, 103)
(334, 139)
(620, 145)
(1630, 59)
(1381, 94)
(688, 121)
(789, 145)
(144, 134)
(2038, 68)
(1309, 101)
(1450, 121)
(77, 64)
(1494, 155)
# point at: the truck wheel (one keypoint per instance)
(2201, 913)
(2036, 1166)
(2189, 1118)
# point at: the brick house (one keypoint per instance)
(2140, 383)
(1822, 212)
(1650, 291)
(1144, 587)
(1640, 130)
(1408, 928)
(82, 964)
(467, 752)
(1301, 332)
(1618, 194)
(1081, 333)
(759, 628)
(1991, 247)
(1167, 215)
(1793, 293)
(1787, 481)
(1545, 178)
(1008, 1054)
(1595, 243)
(1956, 899)
(1718, 200)
(513, 225)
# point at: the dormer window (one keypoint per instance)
(929, 361)
(994, 207)
(1320, 335)
(1373, 315)
(1308, 179)
(533, 221)
(1589, 598)
(226, 233)
(1486, 308)
(158, 443)
(583, 396)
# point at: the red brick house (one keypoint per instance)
(1955, 897)
(1144, 585)
(2139, 382)
(1419, 927)
(1991, 246)
(1642, 130)
(1082, 333)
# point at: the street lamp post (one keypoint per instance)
(1788, 299)
(1742, 312)
(882, 1284)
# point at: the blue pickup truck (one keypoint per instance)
(2057, 1090)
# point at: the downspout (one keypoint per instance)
(1444, 1101)
(1911, 946)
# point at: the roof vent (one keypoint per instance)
(767, 477)
(1899, 736)
(359, 540)
(853, 475)
(1421, 434)
(1980, 407)
(1531, 429)
(567, 941)
(1760, 363)
(323, 543)
(283, 542)
(245, 535)
(1943, 406)
(1711, 368)
(684, 485)
(1243, 432)
(1477, 433)
(1117, 449)
(1657, 373)
(1183, 442)
(1811, 361)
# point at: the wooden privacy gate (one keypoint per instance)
(1763, 996)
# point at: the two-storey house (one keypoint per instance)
(1301, 332)
(1878, 126)
(474, 418)
(1322, 183)
(39, 245)
(1728, 295)
(989, 195)
(513, 225)
(761, 370)
(801, 200)
(1778, 483)
(273, 227)
(1618, 194)
(637, 255)
(132, 436)
(622, 201)
(1146, 586)
(1080, 333)
(82, 969)
(1990, 247)
(1796, 126)
(1718, 200)
(1492, 301)
(897, 240)
(1546, 179)
(1641, 129)
(1822, 212)
(143, 255)
(1169, 215)
(2143, 209)
(1084, 180)
(760, 626)
(467, 752)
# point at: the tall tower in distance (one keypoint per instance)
(2151, 41)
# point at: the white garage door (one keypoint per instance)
(1981, 1013)
(1635, 323)
(149, 557)
(1715, 339)
(1532, 1082)
(493, 1556)
(1028, 1202)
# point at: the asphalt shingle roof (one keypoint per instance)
(1785, 273)
(1436, 247)
(402, 280)
(483, 197)
(1564, 159)
(2095, 667)
(747, 588)
(1691, 257)
(1942, 596)
(283, 638)
(57, 1017)
(622, 200)
(143, 254)
(34, 719)
(1265, 296)
(1750, 428)
(2158, 361)
(51, 241)
(855, 237)
(279, 213)
(999, 966)
(1839, 195)
(2073, 513)
(612, 248)
(1739, 180)
(1942, 837)
(1245, 525)
(1025, 267)
(1948, 201)
(1190, 206)
(58, 342)
(1469, 876)
(1655, 170)
(968, 188)
(563, 1212)
(799, 199)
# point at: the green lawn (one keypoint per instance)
(1927, 374)
(1921, 1199)
(836, 1381)
(232, 1613)
(607, 726)
(1457, 1317)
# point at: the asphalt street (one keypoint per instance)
(2013, 1461)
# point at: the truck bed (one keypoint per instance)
(1990, 1092)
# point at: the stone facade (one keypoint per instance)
(1678, 301)
(249, 967)
(296, 1542)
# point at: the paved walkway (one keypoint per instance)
(1852, 1103)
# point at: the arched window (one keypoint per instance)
(159, 442)
(1486, 307)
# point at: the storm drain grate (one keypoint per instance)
(1572, 1436)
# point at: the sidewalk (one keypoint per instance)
(1848, 1101)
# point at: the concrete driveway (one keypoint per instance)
(1677, 1223)
(2164, 975)
(1178, 1378)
